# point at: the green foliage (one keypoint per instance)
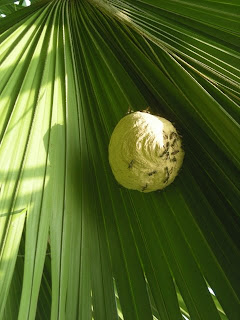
(73, 243)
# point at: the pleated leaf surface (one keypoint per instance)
(73, 243)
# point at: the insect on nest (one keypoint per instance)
(145, 152)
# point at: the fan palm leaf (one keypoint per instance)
(73, 243)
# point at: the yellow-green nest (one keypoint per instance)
(145, 152)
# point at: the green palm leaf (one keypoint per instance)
(89, 248)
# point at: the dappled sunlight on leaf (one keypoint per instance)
(90, 249)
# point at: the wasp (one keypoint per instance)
(130, 111)
(147, 110)
(130, 164)
(173, 159)
(164, 152)
(145, 187)
(174, 142)
(167, 175)
(167, 145)
(173, 134)
(165, 136)
(167, 156)
(151, 173)
(174, 152)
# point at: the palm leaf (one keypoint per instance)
(91, 249)
(9, 6)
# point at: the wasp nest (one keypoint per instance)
(145, 152)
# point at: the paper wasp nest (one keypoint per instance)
(145, 152)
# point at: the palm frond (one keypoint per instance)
(69, 72)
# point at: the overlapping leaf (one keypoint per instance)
(69, 72)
